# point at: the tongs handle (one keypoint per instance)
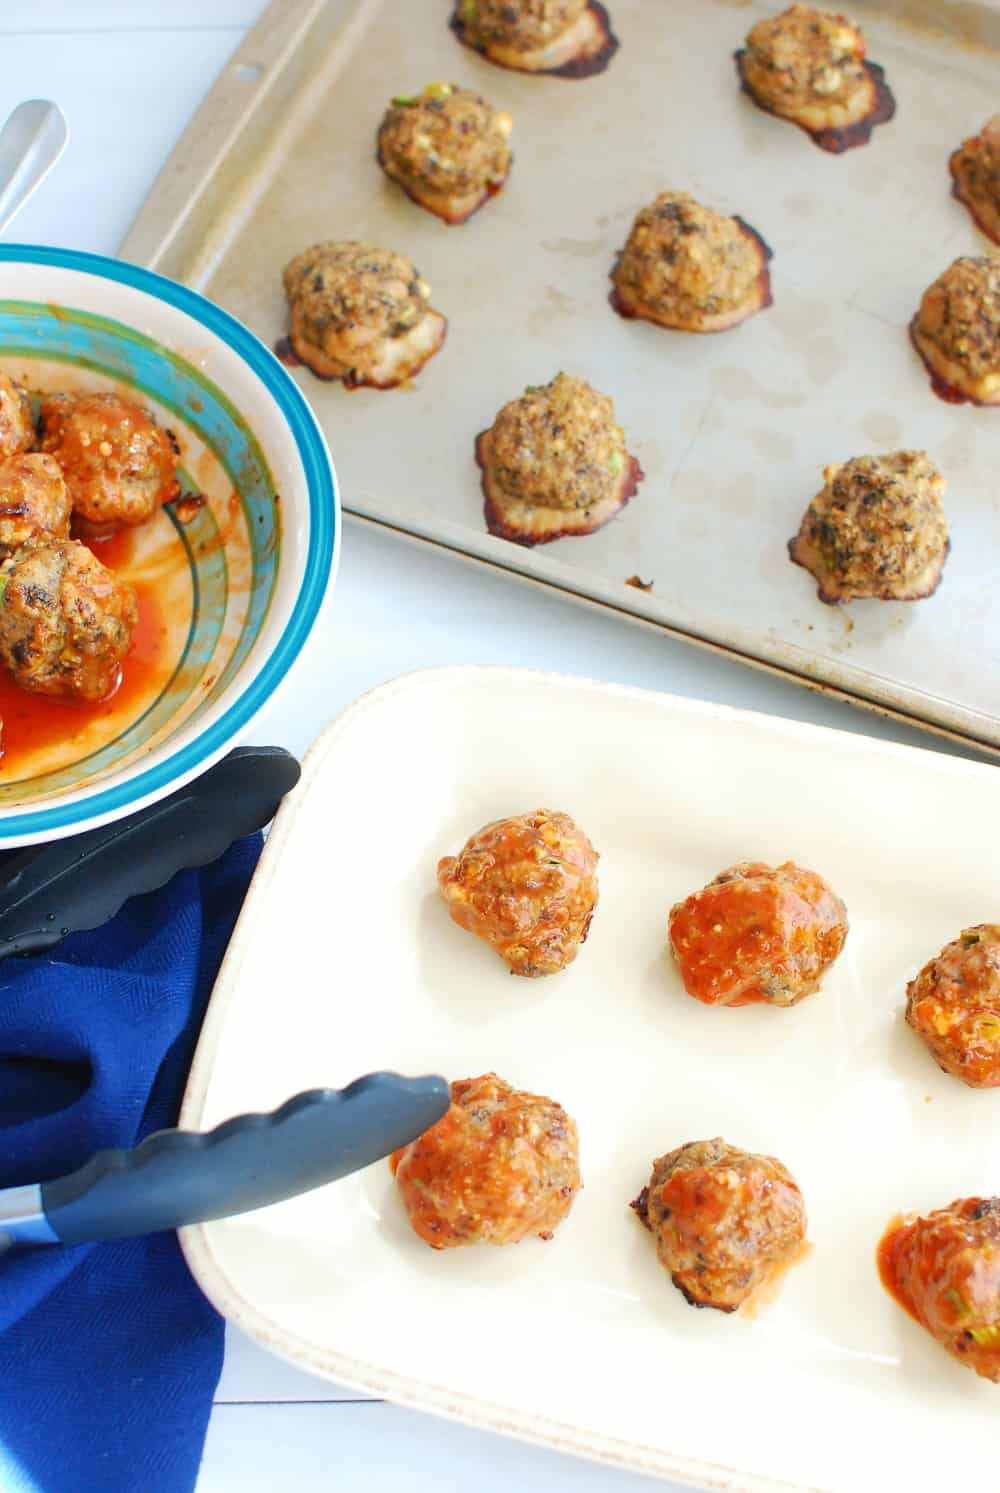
(179, 1177)
(64, 886)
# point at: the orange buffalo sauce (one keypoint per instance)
(32, 723)
(889, 1248)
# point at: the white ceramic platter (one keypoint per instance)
(345, 961)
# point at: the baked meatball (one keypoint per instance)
(527, 886)
(687, 267)
(877, 529)
(945, 1270)
(17, 425)
(572, 38)
(975, 177)
(809, 66)
(957, 331)
(447, 148)
(953, 1005)
(724, 1220)
(554, 463)
(33, 501)
(119, 465)
(361, 314)
(757, 933)
(501, 1164)
(65, 620)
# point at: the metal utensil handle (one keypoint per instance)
(31, 141)
(180, 1177)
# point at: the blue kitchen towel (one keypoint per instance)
(109, 1353)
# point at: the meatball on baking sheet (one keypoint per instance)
(731, 429)
(86, 655)
(586, 1329)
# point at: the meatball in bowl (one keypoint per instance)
(689, 268)
(554, 464)
(168, 529)
(568, 38)
(447, 148)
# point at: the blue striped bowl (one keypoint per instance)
(243, 576)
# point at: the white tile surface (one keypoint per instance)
(129, 73)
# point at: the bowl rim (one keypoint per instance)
(320, 561)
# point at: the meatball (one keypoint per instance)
(447, 148)
(975, 177)
(527, 886)
(809, 66)
(500, 1165)
(687, 267)
(877, 529)
(957, 331)
(570, 37)
(724, 1220)
(119, 465)
(953, 1005)
(554, 464)
(757, 933)
(33, 500)
(65, 621)
(361, 314)
(17, 425)
(945, 1269)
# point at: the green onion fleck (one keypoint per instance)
(532, 388)
(616, 465)
(469, 9)
(402, 103)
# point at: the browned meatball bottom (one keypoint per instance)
(975, 172)
(689, 268)
(723, 1220)
(808, 66)
(501, 1164)
(17, 425)
(527, 886)
(65, 620)
(571, 37)
(448, 149)
(957, 330)
(34, 500)
(119, 464)
(876, 530)
(554, 463)
(953, 1005)
(361, 314)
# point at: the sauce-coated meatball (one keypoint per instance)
(957, 330)
(877, 529)
(554, 463)
(975, 172)
(360, 314)
(65, 620)
(723, 1220)
(689, 268)
(757, 933)
(119, 465)
(500, 1165)
(570, 37)
(447, 148)
(953, 1005)
(33, 500)
(809, 66)
(527, 886)
(17, 425)
(945, 1270)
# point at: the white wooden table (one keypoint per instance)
(129, 73)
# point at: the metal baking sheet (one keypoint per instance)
(732, 430)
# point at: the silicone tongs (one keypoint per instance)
(179, 1177)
